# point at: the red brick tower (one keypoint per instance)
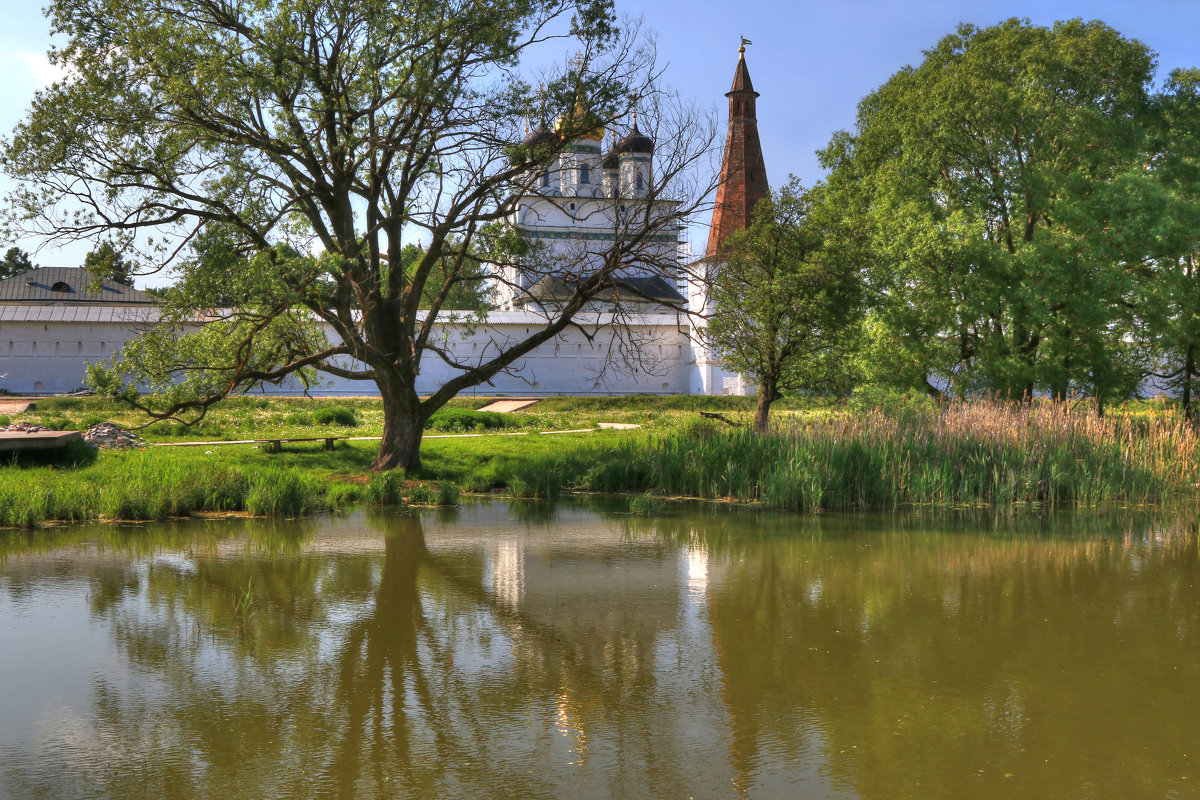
(743, 175)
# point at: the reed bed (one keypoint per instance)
(149, 486)
(1044, 455)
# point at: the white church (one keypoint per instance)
(54, 321)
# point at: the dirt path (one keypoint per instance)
(509, 405)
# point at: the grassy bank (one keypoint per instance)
(159, 483)
(258, 417)
(982, 454)
(963, 455)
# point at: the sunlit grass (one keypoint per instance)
(1039, 456)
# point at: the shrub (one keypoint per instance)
(299, 419)
(336, 415)
(478, 483)
(340, 496)
(282, 492)
(646, 505)
(421, 495)
(386, 488)
(447, 494)
(59, 403)
(462, 420)
(5, 419)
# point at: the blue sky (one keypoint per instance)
(811, 62)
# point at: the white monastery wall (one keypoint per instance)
(45, 350)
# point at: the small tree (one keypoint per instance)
(15, 262)
(787, 299)
(109, 263)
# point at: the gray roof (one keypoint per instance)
(639, 288)
(55, 285)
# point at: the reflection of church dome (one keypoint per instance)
(635, 142)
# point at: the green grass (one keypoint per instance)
(979, 454)
(965, 455)
(258, 417)
(283, 493)
(386, 488)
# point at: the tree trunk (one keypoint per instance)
(403, 426)
(767, 393)
(1189, 370)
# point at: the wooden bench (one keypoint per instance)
(276, 444)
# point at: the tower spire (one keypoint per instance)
(743, 174)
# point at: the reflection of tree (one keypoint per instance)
(380, 658)
(368, 666)
(912, 659)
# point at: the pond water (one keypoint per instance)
(560, 652)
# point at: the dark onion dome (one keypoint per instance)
(635, 142)
(538, 136)
(610, 160)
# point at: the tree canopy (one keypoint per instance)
(15, 262)
(310, 142)
(107, 262)
(1010, 188)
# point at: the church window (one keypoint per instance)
(545, 179)
(585, 174)
(641, 183)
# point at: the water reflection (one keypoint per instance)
(562, 653)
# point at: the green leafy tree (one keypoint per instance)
(107, 262)
(338, 129)
(788, 299)
(1169, 311)
(15, 262)
(1003, 183)
(463, 275)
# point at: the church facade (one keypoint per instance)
(571, 213)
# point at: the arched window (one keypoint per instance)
(640, 183)
(60, 286)
(545, 179)
(585, 174)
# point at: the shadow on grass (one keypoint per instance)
(75, 455)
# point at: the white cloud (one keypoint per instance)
(43, 72)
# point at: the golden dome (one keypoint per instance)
(580, 116)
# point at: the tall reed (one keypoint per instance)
(964, 454)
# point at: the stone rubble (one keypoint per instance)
(22, 427)
(109, 436)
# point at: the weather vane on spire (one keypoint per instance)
(745, 42)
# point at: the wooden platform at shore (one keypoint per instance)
(12, 441)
